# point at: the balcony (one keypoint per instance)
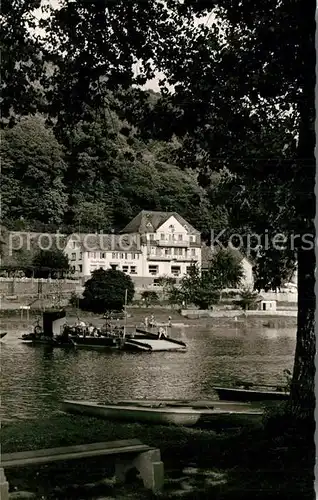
(172, 258)
(173, 243)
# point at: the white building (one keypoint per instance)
(152, 245)
(88, 252)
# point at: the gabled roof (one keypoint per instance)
(148, 221)
(106, 242)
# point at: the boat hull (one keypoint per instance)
(96, 342)
(160, 414)
(3, 334)
(46, 342)
(248, 395)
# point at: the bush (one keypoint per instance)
(150, 297)
(106, 290)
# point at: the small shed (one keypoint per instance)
(268, 305)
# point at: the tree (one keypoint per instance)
(225, 269)
(149, 297)
(90, 217)
(195, 288)
(248, 299)
(105, 291)
(51, 263)
(33, 167)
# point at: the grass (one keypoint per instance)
(258, 463)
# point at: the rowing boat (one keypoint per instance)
(248, 395)
(161, 412)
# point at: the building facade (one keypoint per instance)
(152, 245)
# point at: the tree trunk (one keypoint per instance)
(302, 387)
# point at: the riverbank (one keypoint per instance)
(246, 463)
(11, 319)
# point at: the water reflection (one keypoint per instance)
(33, 380)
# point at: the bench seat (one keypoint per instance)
(128, 454)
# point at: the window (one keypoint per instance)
(80, 256)
(162, 236)
(188, 269)
(80, 268)
(121, 255)
(125, 269)
(175, 251)
(126, 256)
(192, 239)
(192, 252)
(103, 255)
(167, 251)
(113, 267)
(73, 256)
(151, 236)
(158, 252)
(114, 255)
(93, 255)
(133, 270)
(74, 245)
(175, 270)
(180, 237)
(153, 270)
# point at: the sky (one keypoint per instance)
(151, 84)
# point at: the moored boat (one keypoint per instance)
(249, 395)
(50, 331)
(2, 335)
(101, 342)
(163, 412)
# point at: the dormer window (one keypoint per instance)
(186, 227)
(148, 224)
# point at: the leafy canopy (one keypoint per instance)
(105, 291)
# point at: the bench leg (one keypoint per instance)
(4, 486)
(148, 464)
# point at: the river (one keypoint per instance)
(34, 380)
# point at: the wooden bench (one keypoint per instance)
(128, 454)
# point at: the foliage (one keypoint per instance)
(225, 269)
(194, 288)
(50, 263)
(248, 299)
(33, 167)
(149, 297)
(93, 179)
(105, 291)
(74, 300)
(203, 289)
